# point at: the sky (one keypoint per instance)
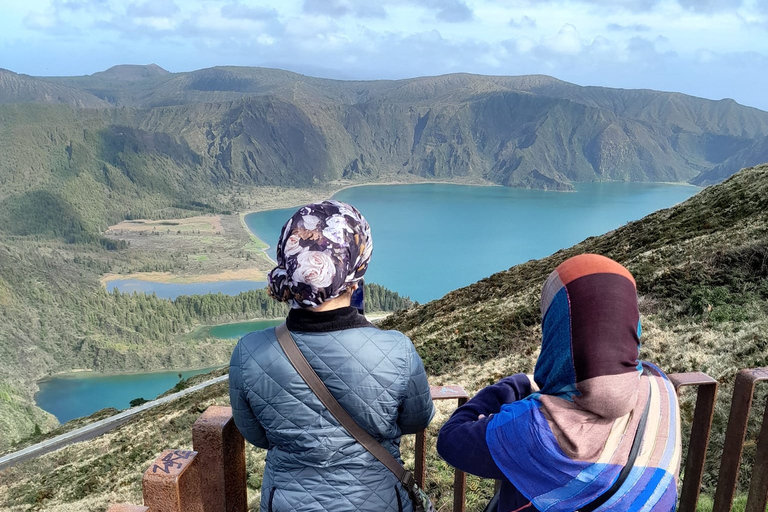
(709, 48)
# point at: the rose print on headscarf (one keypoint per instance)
(323, 249)
(314, 268)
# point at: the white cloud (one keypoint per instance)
(566, 42)
(41, 20)
(358, 8)
(522, 22)
(645, 43)
(236, 10)
(152, 9)
(711, 5)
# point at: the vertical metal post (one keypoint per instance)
(741, 405)
(420, 458)
(221, 453)
(699, 438)
(757, 500)
(459, 477)
(460, 480)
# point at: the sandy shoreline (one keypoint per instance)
(81, 372)
(293, 198)
(243, 274)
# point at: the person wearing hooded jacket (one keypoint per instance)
(559, 439)
(313, 464)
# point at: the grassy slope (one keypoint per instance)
(55, 316)
(702, 273)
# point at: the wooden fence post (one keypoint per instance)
(221, 452)
(172, 483)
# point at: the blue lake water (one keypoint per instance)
(240, 329)
(83, 393)
(173, 290)
(430, 239)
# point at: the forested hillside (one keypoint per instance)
(702, 275)
(56, 316)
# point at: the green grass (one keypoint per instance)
(256, 244)
(706, 503)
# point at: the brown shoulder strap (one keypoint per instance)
(314, 382)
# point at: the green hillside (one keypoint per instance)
(56, 316)
(132, 140)
(703, 282)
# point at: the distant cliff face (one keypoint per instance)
(754, 154)
(139, 130)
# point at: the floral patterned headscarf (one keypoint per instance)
(323, 250)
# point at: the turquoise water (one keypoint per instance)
(80, 394)
(430, 239)
(240, 329)
(173, 290)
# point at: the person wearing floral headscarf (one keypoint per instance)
(323, 251)
(313, 464)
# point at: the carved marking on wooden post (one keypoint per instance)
(172, 483)
(171, 461)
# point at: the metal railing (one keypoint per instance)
(212, 477)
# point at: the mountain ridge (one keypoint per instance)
(530, 131)
(16, 88)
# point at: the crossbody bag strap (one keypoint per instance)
(316, 384)
(600, 500)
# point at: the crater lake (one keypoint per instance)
(429, 239)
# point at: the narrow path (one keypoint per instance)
(95, 429)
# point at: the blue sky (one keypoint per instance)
(710, 48)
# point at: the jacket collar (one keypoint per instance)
(304, 320)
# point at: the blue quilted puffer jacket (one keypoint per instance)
(313, 464)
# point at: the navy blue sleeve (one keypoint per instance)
(246, 422)
(416, 410)
(461, 440)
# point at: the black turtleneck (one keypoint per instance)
(305, 320)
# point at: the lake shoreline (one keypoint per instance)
(170, 278)
(324, 195)
(87, 372)
(406, 212)
(286, 197)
